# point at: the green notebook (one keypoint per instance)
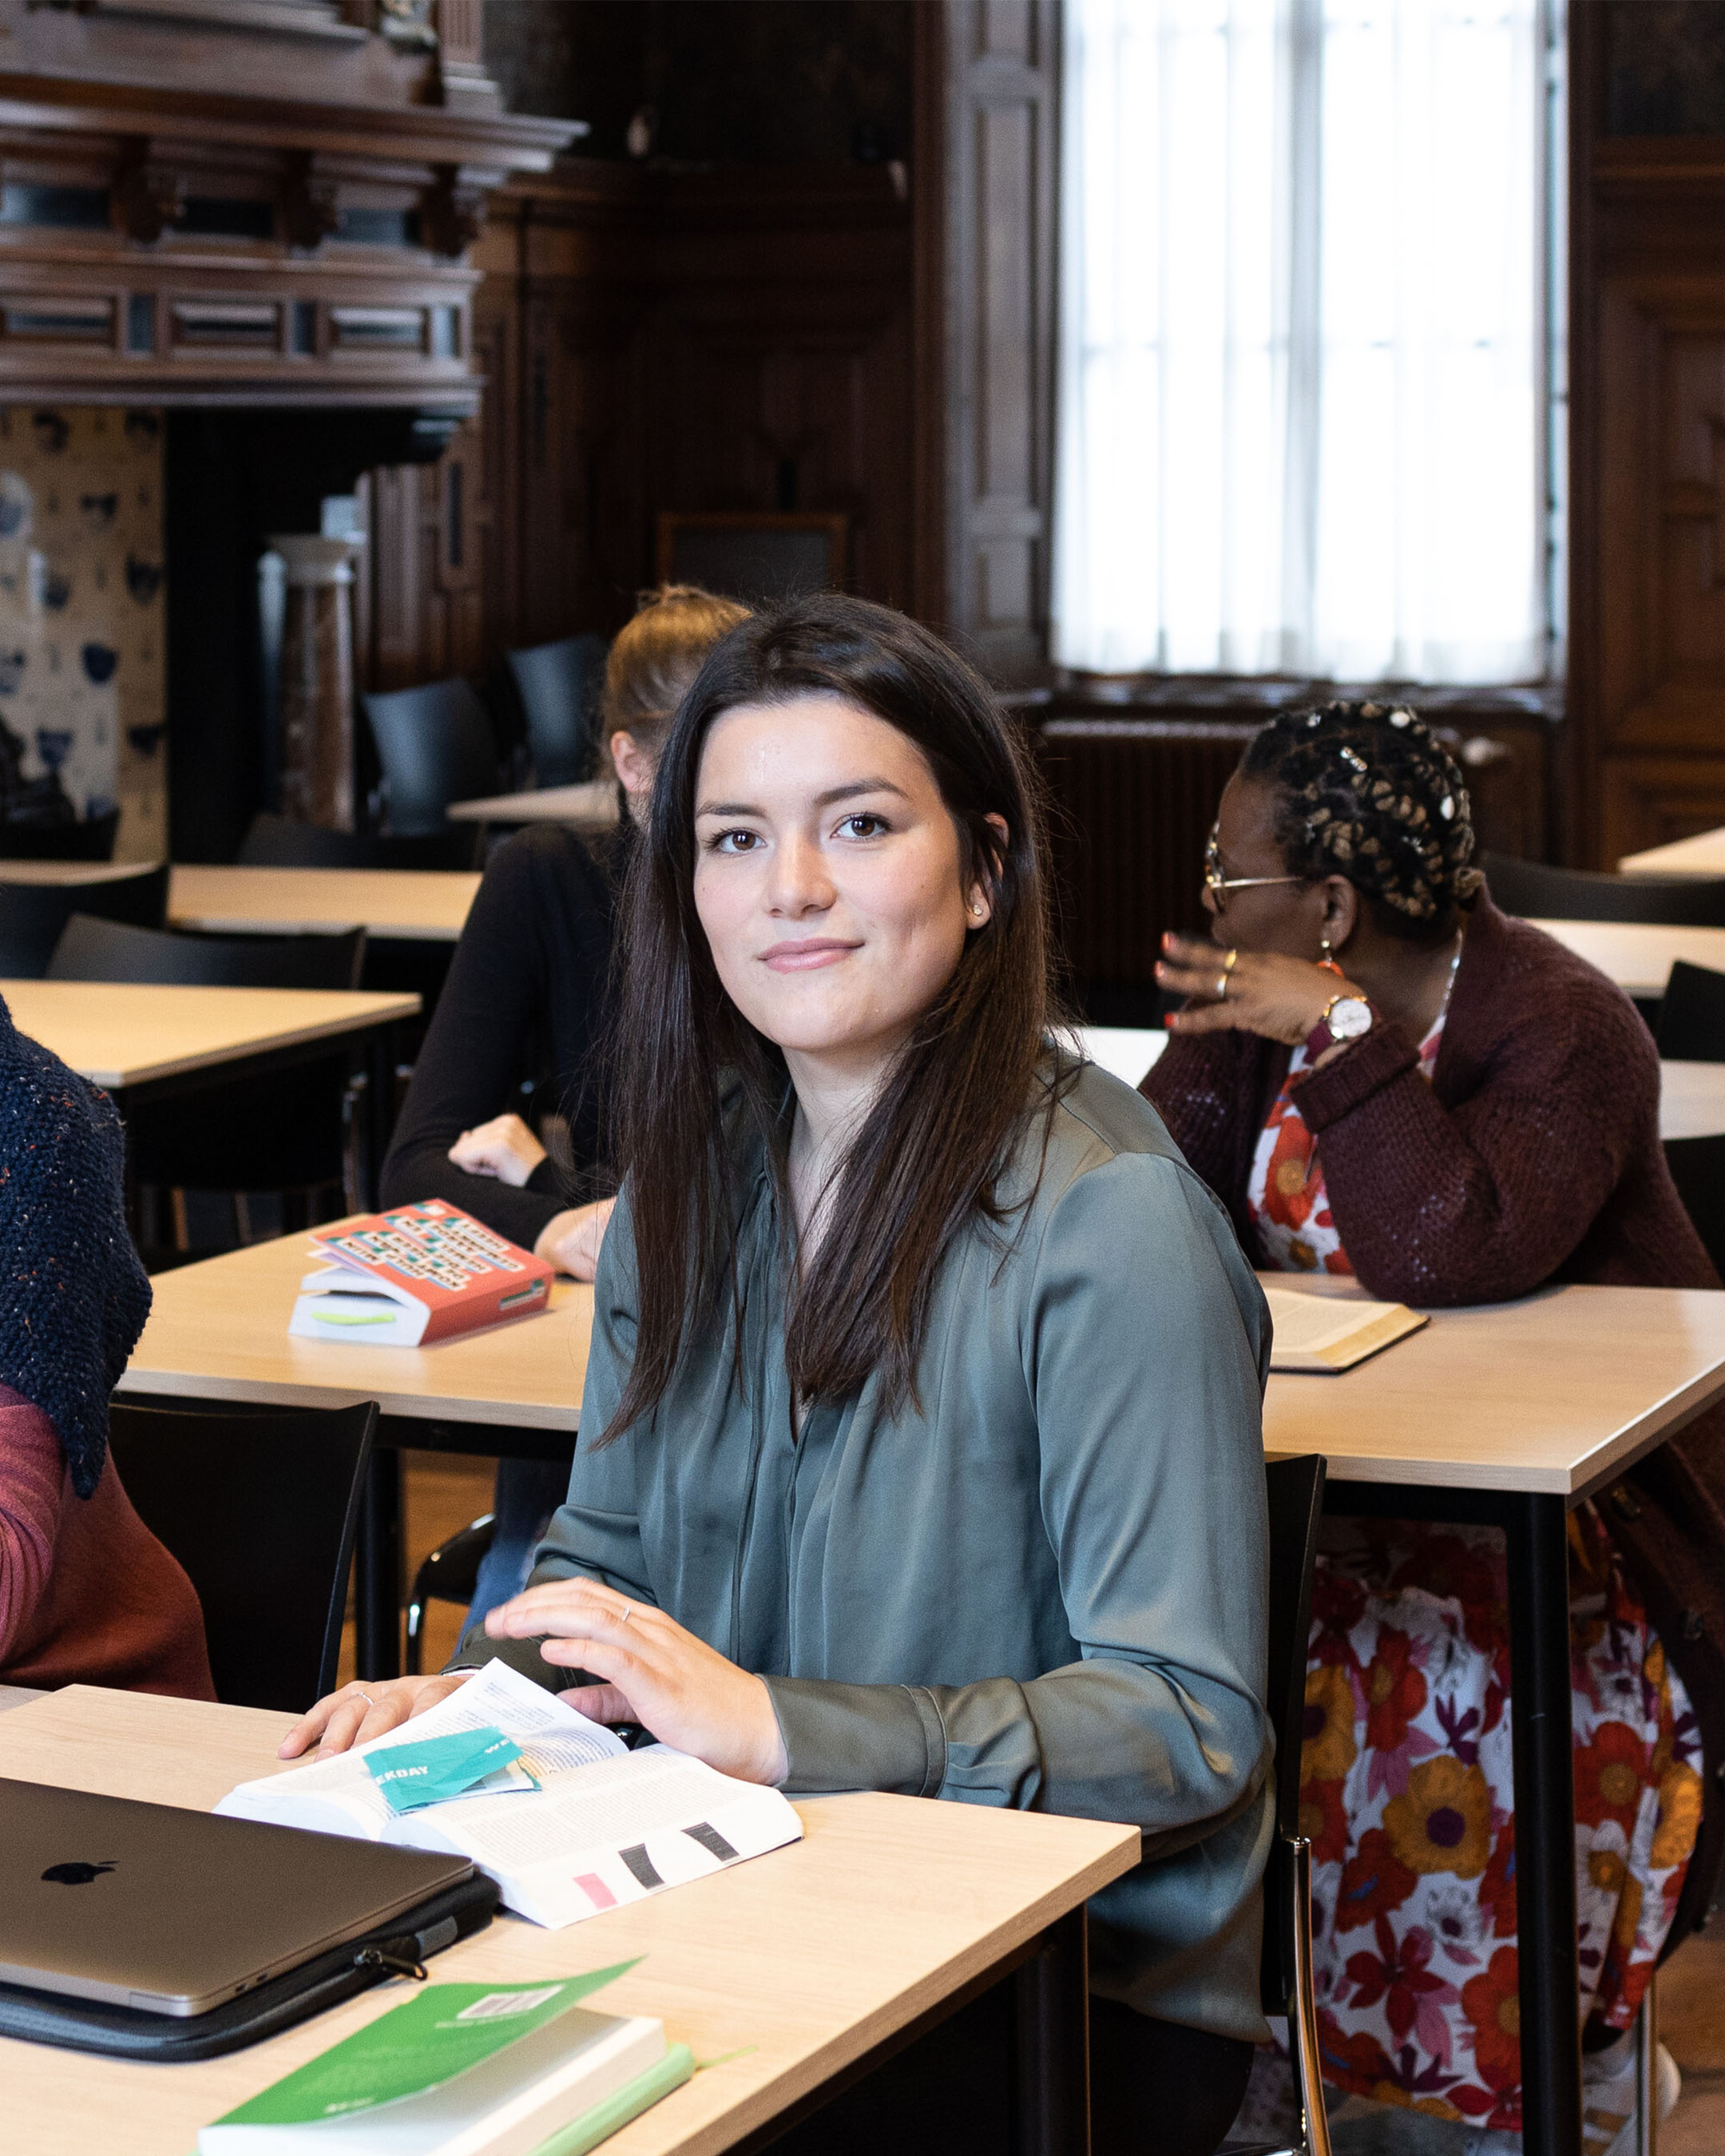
(466, 2070)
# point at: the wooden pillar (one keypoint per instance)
(317, 681)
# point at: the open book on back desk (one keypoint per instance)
(605, 1826)
(1327, 1333)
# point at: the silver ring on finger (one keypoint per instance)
(1221, 987)
(365, 1695)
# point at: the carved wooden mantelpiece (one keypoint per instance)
(245, 201)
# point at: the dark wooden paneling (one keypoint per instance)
(1647, 431)
(1000, 112)
(653, 340)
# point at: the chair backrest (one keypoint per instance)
(1698, 1166)
(1295, 1488)
(91, 840)
(1691, 1015)
(261, 1510)
(558, 684)
(436, 745)
(277, 842)
(1537, 891)
(111, 950)
(33, 915)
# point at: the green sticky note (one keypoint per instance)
(418, 2046)
(436, 1768)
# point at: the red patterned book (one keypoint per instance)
(414, 1274)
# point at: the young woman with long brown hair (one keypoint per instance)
(922, 1441)
(528, 1002)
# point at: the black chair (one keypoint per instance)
(33, 915)
(436, 745)
(91, 950)
(277, 842)
(261, 1510)
(558, 684)
(1691, 1015)
(1698, 1166)
(91, 840)
(449, 1575)
(1296, 1491)
(1537, 891)
(289, 1131)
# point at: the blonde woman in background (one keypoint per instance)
(524, 1011)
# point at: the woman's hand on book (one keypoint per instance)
(358, 1713)
(571, 1240)
(651, 1670)
(504, 1148)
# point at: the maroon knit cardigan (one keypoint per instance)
(1533, 1156)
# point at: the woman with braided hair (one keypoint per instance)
(1383, 1076)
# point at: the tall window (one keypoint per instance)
(1303, 418)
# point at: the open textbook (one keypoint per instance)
(1327, 1333)
(586, 1826)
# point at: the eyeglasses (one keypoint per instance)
(1219, 885)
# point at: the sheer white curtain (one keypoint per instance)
(1301, 368)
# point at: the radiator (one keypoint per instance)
(1133, 803)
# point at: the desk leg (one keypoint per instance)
(377, 1569)
(1545, 1823)
(1054, 2042)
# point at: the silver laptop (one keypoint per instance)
(175, 1912)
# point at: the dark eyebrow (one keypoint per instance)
(826, 800)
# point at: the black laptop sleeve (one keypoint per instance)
(125, 2032)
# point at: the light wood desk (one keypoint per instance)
(416, 905)
(1703, 856)
(803, 1963)
(1639, 954)
(1505, 1417)
(1126, 1052)
(73, 871)
(1691, 1100)
(1557, 1394)
(126, 1034)
(218, 1332)
(591, 806)
(1692, 1095)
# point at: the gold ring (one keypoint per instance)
(1231, 959)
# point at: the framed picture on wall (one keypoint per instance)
(754, 555)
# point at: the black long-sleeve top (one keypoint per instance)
(527, 1001)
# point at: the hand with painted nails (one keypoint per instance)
(1263, 992)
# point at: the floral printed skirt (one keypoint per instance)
(1407, 1798)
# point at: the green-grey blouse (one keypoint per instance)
(1045, 1587)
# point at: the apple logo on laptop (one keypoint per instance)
(75, 1875)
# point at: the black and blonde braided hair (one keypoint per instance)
(1367, 791)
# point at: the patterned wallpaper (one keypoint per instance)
(81, 611)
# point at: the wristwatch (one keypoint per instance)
(1345, 1018)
